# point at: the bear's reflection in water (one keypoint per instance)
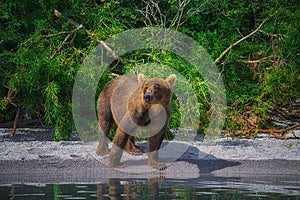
(120, 189)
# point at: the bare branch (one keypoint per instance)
(193, 11)
(150, 11)
(59, 48)
(154, 15)
(178, 17)
(79, 26)
(262, 60)
(62, 33)
(241, 40)
(161, 16)
(16, 121)
(115, 55)
(267, 59)
(56, 34)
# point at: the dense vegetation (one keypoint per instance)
(41, 51)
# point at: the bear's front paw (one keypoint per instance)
(158, 165)
(102, 151)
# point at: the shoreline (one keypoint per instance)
(29, 158)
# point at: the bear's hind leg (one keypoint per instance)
(131, 148)
(103, 131)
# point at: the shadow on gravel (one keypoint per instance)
(206, 163)
(209, 166)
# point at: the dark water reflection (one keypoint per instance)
(155, 188)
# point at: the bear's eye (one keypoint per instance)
(156, 88)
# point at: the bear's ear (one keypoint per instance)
(171, 80)
(141, 78)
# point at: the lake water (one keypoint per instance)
(206, 187)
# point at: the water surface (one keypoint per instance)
(205, 187)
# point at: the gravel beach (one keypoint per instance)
(33, 157)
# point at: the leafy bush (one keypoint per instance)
(40, 53)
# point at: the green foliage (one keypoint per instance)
(41, 53)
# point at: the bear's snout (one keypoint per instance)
(148, 98)
(149, 94)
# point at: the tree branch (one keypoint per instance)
(56, 34)
(154, 15)
(78, 26)
(262, 60)
(59, 48)
(239, 41)
(16, 121)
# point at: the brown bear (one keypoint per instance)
(133, 103)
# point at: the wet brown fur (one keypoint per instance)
(159, 92)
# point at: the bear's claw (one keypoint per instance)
(158, 165)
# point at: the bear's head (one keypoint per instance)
(156, 90)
